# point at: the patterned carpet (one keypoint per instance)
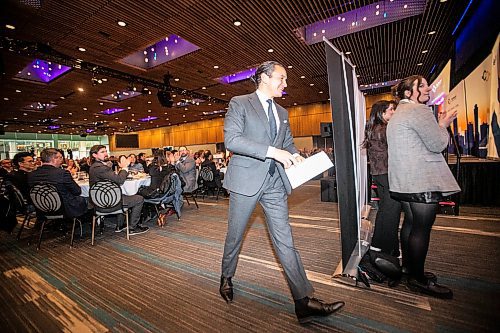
(167, 279)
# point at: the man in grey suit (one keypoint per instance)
(257, 131)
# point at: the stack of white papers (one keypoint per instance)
(308, 169)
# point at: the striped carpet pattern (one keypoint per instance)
(167, 279)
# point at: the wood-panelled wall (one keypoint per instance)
(304, 121)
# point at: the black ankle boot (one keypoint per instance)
(226, 289)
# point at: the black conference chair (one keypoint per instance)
(106, 197)
(209, 183)
(172, 197)
(49, 207)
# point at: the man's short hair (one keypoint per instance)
(48, 154)
(95, 149)
(181, 148)
(19, 157)
(266, 68)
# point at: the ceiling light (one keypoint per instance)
(302, 77)
(419, 64)
(223, 94)
(348, 52)
(270, 50)
(18, 91)
(9, 26)
(290, 66)
(432, 32)
(176, 79)
(237, 22)
(203, 88)
(5, 98)
(149, 102)
(82, 49)
(84, 109)
(443, 0)
(311, 84)
(425, 51)
(216, 67)
(321, 92)
(80, 89)
(121, 23)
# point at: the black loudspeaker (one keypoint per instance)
(83, 135)
(165, 98)
(326, 130)
(2, 130)
(328, 189)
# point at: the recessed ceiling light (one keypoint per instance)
(84, 109)
(85, 119)
(270, 50)
(223, 94)
(302, 77)
(5, 98)
(419, 64)
(432, 32)
(10, 26)
(443, 0)
(425, 51)
(216, 67)
(121, 23)
(176, 79)
(237, 22)
(321, 92)
(290, 66)
(80, 89)
(311, 84)
(82, 49)
(71, 113)
(203, 88)
(18, 91)
(149, 102)
(348, 52)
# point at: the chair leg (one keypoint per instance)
(195, 202)
(126, 219)
(93, 229)
(26, 219)
(40, 237)
(72, 233)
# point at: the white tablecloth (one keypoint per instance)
(130, 187)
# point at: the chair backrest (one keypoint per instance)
(106, 195)
(174, 182)
(46, 199)
(206, 174)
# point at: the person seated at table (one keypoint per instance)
(84, 164)
(208, 163)
(72, 167)
(134, 165)
(186, 168)
(141, 159)
(5, 167)
(100, 170)
(23, 164)
(52, 173)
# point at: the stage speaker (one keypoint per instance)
(2, 130)
(165, 98)
(326, 130)
(83, 135)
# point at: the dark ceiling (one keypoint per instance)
(54, 30)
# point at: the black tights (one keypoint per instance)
(415, 235)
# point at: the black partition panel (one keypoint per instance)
(341, 97)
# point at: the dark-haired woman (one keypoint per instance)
(419, 176)
(385, 236)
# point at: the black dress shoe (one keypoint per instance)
(226, 289)
(307, 309)
(428, 275)
(430, 288)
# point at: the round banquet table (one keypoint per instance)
(130, 187)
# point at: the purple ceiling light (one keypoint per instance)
(378, 85)
(148, 118)
(42, 71)
(366, 17)
(120, 96)
(89, 130)
(239, 76)
(112, 111)
(53, 127)
(166, 49)
(38, 107)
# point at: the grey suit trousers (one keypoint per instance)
(274, 200)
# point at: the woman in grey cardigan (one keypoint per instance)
(418, 176)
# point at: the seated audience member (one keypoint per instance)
(208, 163)
(100, 170)
(134, 165)
(141, 158)
(23, 164)
(186, 167)
(51, 172)
(159, 169)
(5, 167)
(84, 164)
(72, 167)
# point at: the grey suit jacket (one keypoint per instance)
(415, 142)
(187, 170)
(247, 135)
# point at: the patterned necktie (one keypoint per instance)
(272, 125)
